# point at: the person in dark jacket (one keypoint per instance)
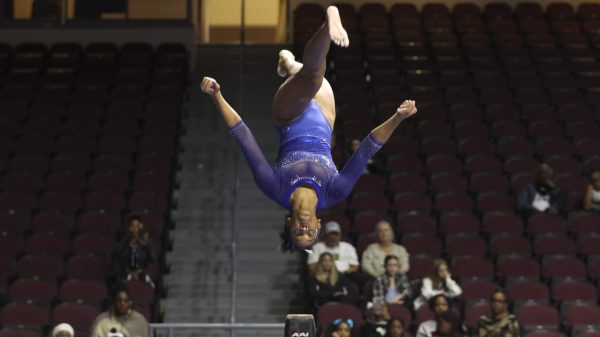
(326, 284)
(133, 255)
(542, 196)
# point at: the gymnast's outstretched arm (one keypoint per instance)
(343, 183)
(383, 132)
(212, 88)
(263, 173)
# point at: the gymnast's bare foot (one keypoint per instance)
(338, 34)
(287, 63)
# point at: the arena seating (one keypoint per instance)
(499, 91)
(88, 136)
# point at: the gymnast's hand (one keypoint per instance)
(210, 86)
(406, 109)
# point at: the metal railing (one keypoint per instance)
(171, 328)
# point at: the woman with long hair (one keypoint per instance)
(438, 282)
(326, 284)
(304, 178)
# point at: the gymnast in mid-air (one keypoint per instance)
(304, 178)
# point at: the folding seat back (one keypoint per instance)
(93, 244)
(22, 314)
(87, 291)
(473, 268)
(537, 315)
(50, 243)
(574, 291)
(41, 266)
(80, 316)
(571, 268)
(528, 291)
(37, 291)
(555, 245)
(422, 245)
(466, 246)
(87, 267)
(332, 311)
(519, 268)
(415, 224)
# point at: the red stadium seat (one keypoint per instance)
(332, 311)
(535, 316)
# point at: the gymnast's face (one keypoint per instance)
(304, 228)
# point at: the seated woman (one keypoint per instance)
(591, 200)
(304, 179)
(437, 304)
(326, 284)
(438, 282)
(393, 285)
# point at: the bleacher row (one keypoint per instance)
(499, 91)
(87, 137)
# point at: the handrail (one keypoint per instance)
(171, 327)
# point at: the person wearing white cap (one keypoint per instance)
(344, 254)
(63, 330)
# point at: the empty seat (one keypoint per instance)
(574, 291)
(50, 243)
(19, 314)
(80, 316)
(510, 245)
(582, 315)
(540, 224)
(466, 246)
(518, 268)
(454, 202)
(455, 223)
(37, 291)
(88, 291)
(472, 268)
(422, 245)
(503, 223)
(85, 267)
(528, 291)
(570, 268)
(41, 266)
(555, 245)
(52, 221)
(535, 316)
(93, 244)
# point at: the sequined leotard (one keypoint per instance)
(304, 159)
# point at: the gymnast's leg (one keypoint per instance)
(306, 79)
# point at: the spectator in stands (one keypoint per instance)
(439, 281)
(393, 285)
(120, 316)
(373, 257)
(344, 254)
(395, 327)
(377, 319)
(501, 322)
(374, 165)
(438, 304)
(340, 328)
(328, 285)
(591, 201)
(448, 325)
(542, 196)
(63, 330)
(133, 255)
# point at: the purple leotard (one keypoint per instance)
(304, 159)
